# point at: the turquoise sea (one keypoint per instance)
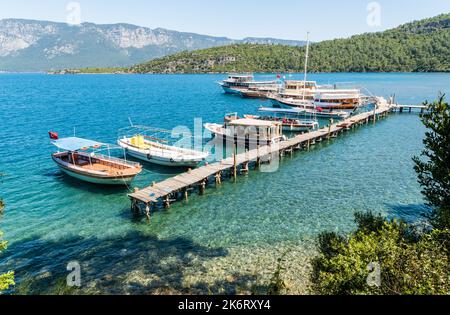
(217, 243)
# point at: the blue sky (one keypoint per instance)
(289, 19)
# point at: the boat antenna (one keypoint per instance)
(131, 122)
(74, 131)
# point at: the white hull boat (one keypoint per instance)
(143, 149)
(304, 111)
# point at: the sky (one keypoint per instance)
(237, 19)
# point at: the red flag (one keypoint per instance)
(53, 135)
(278, 76)
(319, 109)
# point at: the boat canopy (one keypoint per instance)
(74, 144)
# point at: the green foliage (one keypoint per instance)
(434, 169)
(422, 46)
(277, 284)
(7, 279)
(100, 70)
(410, 262)
(407, 266)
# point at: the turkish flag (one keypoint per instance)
(53, 135)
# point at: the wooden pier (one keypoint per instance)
(409, 108)
(179, 187)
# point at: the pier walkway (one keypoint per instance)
(410, 108)
(178, 187)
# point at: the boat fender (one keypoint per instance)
(172, 160)
(149, 156)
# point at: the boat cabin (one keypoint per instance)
(255, 128)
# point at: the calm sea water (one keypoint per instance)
(51, 219)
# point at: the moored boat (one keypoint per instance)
(246, 86)
(92, 167)
(152, 149)
(247, 131)
(319, 113)
(289, 124)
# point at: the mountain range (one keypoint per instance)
(29, 45)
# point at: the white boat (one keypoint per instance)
(304, 111)
(310, 95)
(246, 86)
(247, 131)
(148, 149)
(92, 167)
(289, 124)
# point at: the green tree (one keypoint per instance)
(408, 264)
(7, 279)
(433, 168)
(410, 261)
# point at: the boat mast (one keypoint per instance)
(306, 76)
(306, 65)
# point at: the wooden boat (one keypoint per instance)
(247, 131)
(91, 167)
(303, 111)
(289, 124)
(151, 150)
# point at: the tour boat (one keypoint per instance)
(319, 113)
(240, 84)
(299, 103)
(247, 131)
(289, 124)
(307, 94)
(92, 167)
(151, 150)
(261, 92)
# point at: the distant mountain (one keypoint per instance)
(420, 46)
(27, 45)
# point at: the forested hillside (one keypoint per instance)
(421, 46)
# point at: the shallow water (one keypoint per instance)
(51, 219)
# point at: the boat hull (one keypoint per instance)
(300, 111)
(93, 179)
(297, 128)
(329, 106)
(161, 161)
(232, 91)
(151, 157)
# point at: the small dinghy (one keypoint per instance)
(151, 149)
(91, 167)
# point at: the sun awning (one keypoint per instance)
(74, 144)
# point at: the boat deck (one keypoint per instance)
(169, 190)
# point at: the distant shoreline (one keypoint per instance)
(210, 73)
